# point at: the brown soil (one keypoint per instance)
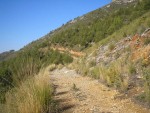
(72, 52)
(78, 94)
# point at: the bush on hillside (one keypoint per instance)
(83, 33)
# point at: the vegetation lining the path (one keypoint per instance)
(34, 95)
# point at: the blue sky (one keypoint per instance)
(22, 21)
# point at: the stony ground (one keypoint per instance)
(78, 94)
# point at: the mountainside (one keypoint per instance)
(111, 44)
(89, 28)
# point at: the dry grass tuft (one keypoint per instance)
(32, 96)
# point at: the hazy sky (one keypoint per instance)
(22, 21)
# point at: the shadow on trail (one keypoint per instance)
(63, 105)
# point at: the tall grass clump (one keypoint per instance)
(33, 96)
(111, 46)
(94, 72)
(116, 74)
(81, 66)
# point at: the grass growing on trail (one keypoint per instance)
(32, 96)
(74, 87)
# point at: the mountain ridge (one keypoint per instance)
(105, 10)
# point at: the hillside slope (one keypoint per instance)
(89, 28)
(82, 32)
(122, 60)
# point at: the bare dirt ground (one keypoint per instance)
(78, 94)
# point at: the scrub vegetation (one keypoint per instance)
(25, 89)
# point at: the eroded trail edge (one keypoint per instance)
(78, 94)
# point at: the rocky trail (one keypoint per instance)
(78, 94)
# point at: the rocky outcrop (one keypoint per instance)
(146, 33)
(122, 1)
(133, 44)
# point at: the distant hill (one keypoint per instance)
(6, 55)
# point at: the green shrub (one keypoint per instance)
(117, 55)
(145, 62)
(107, 54)
(95, 73)
(124, 34)
(92, 63)
(132, 69)
(111, 46)
(146, 73)
(112, 75)
(83, 33)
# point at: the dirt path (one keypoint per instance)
(77, 94)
